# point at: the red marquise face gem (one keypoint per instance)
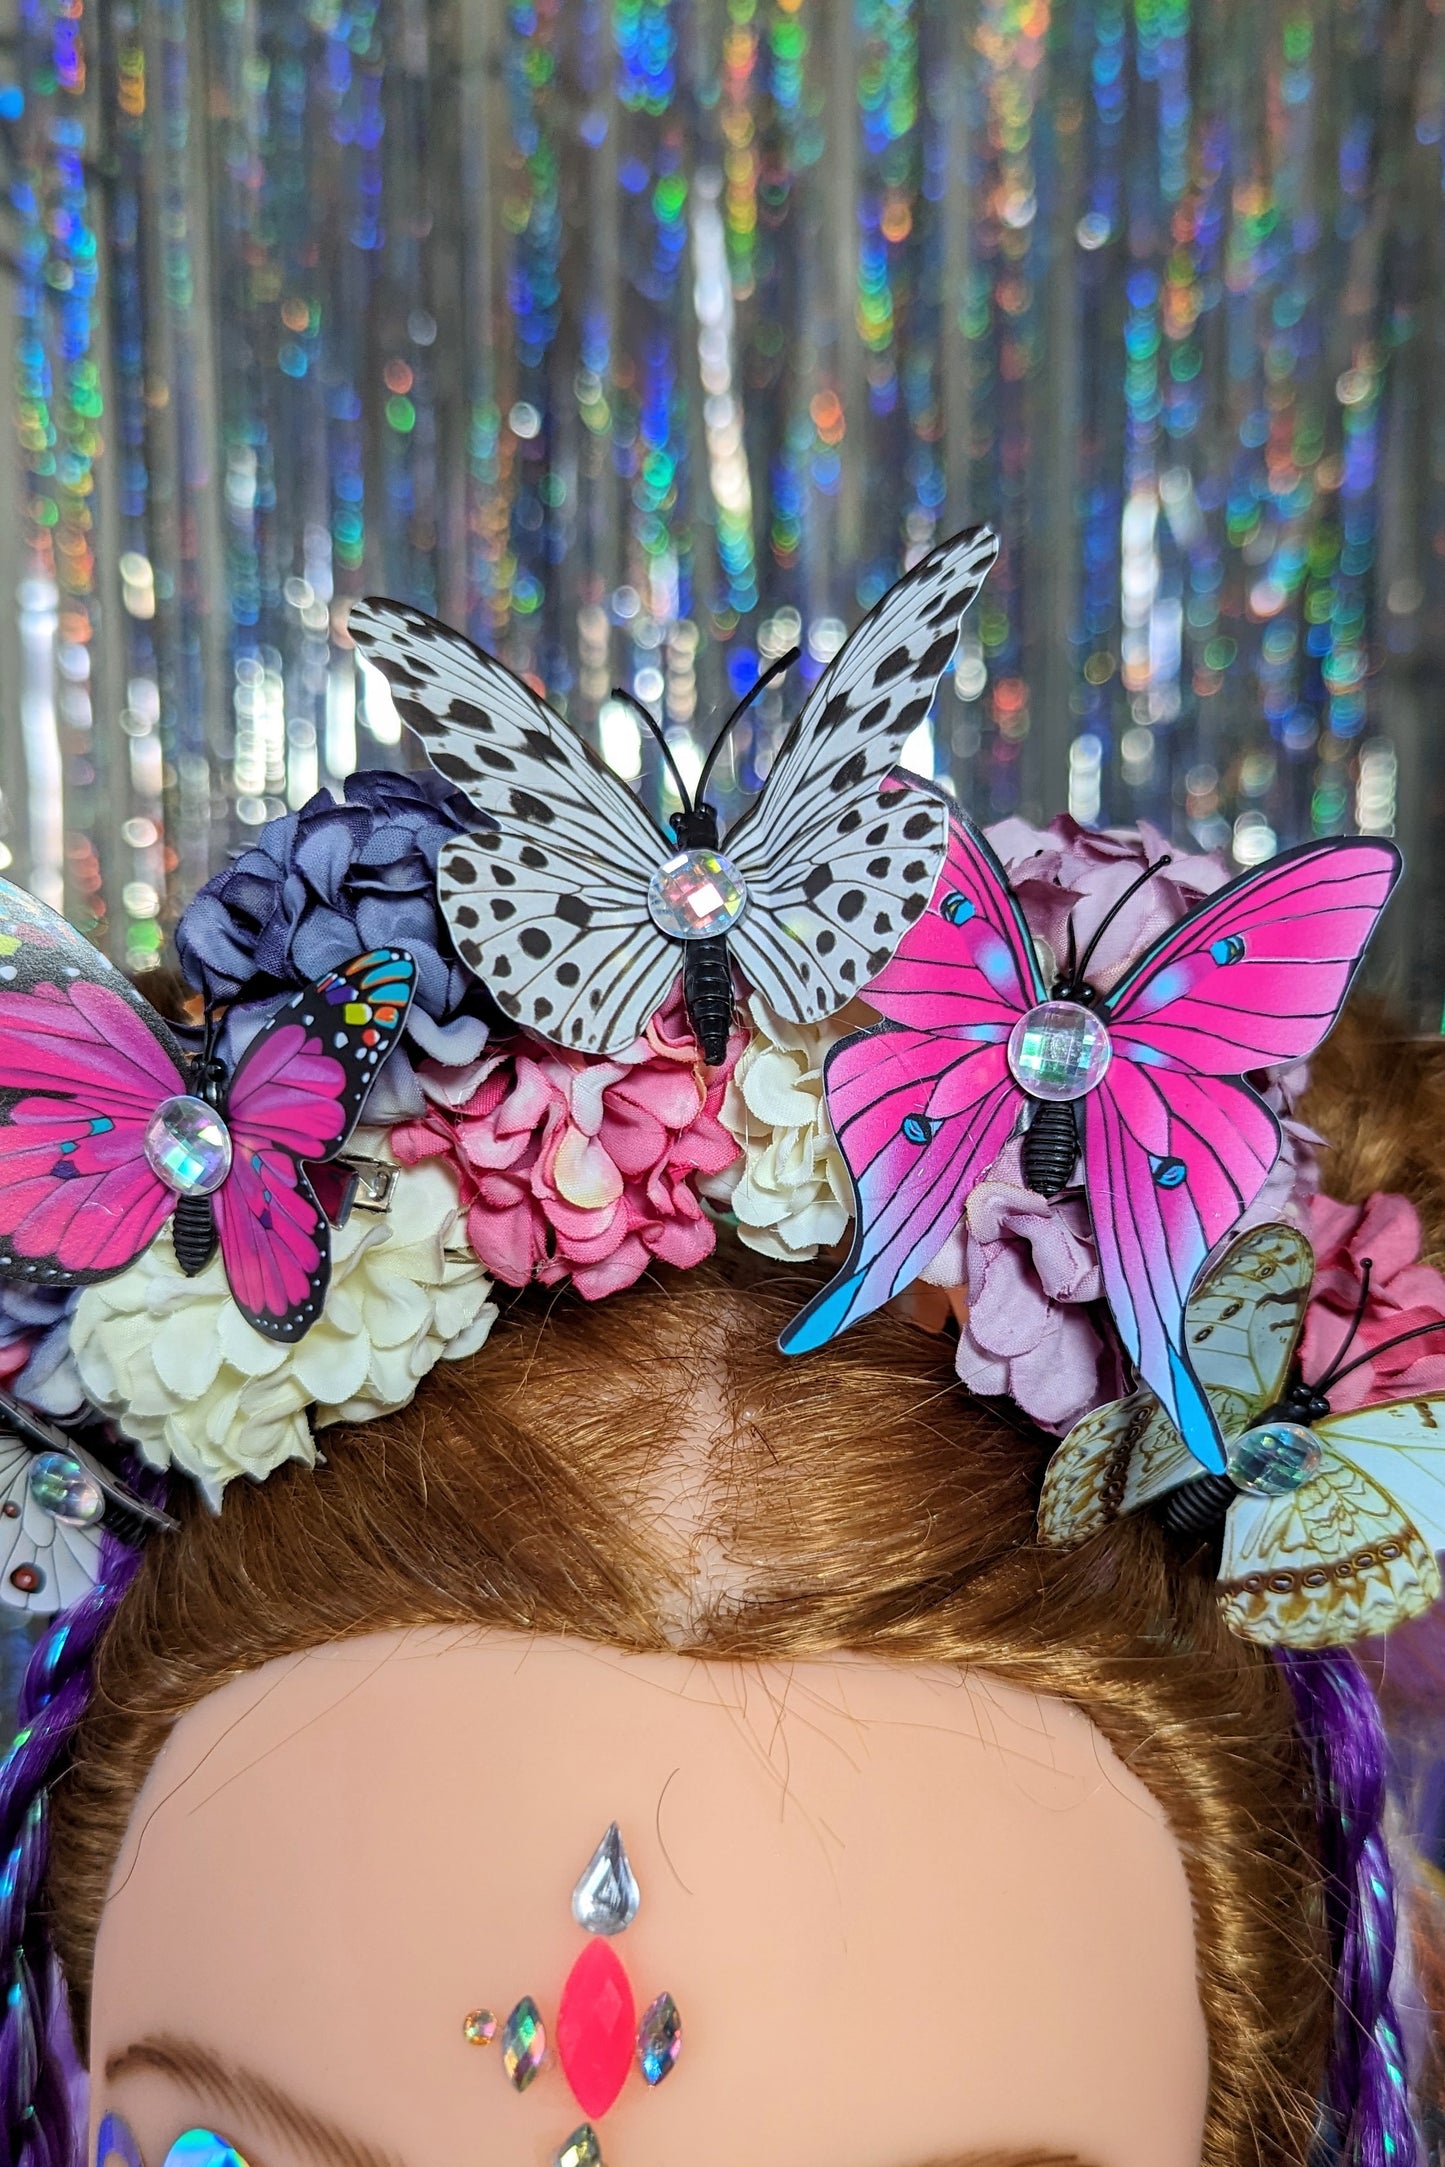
(595, 2026)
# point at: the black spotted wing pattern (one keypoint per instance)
(837, 864)
(549, 907)
(565, 946)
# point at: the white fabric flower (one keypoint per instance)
(177, 1366)
(790, 1191)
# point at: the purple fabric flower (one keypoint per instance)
(35, 1364)
(321, 885)
(1031, 1275)
(1065, 873)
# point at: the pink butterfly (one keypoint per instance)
(108, 1128)
(1147, 1079)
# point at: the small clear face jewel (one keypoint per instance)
(524, 2044)
(659, 2038)
(1059, 1050)
(61, 1487)
(480, 2027)
(606, 1898)
(1274, 1458)
(188, 1145)
(696, 895)
(582, 2149)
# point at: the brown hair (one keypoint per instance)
(855, 1500)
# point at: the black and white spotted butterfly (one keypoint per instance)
(572, 904)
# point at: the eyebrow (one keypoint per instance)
(243, 2091)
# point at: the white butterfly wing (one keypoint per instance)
(1113, 1461)
(835, 870)
(1401, 1446)
(1330, 1563)
(44, 1566)
(561, 950)
(1243, 1319)
(559, 885)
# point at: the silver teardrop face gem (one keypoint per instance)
(606, 1898)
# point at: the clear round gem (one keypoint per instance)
(696, 895)
(1274, 1458)
(1059, 1050)
(524, 2043)
(61, 1487)
(606, 1897)
(188, 1145)
(480, 2027)
(582, 2149)
(659, 2038)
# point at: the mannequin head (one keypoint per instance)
(947, 1844)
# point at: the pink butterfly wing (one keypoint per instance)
(922, 1106)
(1257, 973)
(969, 959)
(296, 1093)
(275, 1243)
(78, 1198)
(1175, 1148)
(1171, 1163)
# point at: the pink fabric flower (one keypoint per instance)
(1064, 872)
(578, 1166)
(1031, 1273)
(1403, 1293)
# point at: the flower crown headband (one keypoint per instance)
(498, 1024)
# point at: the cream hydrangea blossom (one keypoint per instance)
(790, 1190)
(173, 1361)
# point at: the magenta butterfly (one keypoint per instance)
(1148, 1079)
(108, 1128)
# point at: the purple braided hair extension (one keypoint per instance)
(1366, 2098)
(41, 2088)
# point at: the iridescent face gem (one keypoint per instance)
(659, 2038)
(480, 2027)
(61, 1487)
(1274, 1458)
(114, 2141)
(696, 895)
(188, 1145)
(1059, 1050)
(203, 2148)
(582, 2149)
(606, 1898)
(524, 2044)
(596, 2018)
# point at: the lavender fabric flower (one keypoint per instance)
(35, 1364)
(321, 885)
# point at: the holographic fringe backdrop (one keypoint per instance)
(645, 337)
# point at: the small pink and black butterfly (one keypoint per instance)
(108, 1128)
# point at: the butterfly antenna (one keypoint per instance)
(628, 699)
(1372, 1354)
(774, 669)
(1334, 1371)
(1112, 913)
(1071, 960)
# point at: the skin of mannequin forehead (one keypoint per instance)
(906, 1914)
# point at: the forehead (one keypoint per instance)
(902, 1912)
